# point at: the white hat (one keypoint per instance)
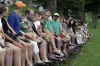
(56, 14)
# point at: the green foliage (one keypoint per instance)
(29, 0)
(23, 10)
(11, 8)
(74, 3)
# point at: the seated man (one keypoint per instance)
(47, 28)
(57, 30)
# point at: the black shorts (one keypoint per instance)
(12, 36)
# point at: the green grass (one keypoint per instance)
(90, 54)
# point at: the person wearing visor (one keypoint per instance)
(47, 26)
(57, 29)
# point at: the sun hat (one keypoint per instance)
(20, 4)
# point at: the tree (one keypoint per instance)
(94, 7)
(77, 7)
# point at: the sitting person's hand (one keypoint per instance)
(39, 40)
(43, 34)
(18, 44)
(21, 37)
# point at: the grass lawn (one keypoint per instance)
(90, 54)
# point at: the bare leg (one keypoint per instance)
(19, 54)
(59, 47)
(23, 51)
(58, 43)
(43, 51)
(9, 57)
(2, 57)
(16, 54)
(50, 49)
(65, 50)
(36, 52)
(29, 56)
(52, 40)
(37, 58)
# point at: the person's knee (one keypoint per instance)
(52, 36)
(44, 43)
(17, 50)
(2, 50)
(59, 39)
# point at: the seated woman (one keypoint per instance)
(19, 46)
(2, 50)
(37, 27)
(71, 33)
(10, 48)
(31, 35)
(64, 35)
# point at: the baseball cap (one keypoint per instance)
(20, 4)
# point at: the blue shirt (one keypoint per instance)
(14, 21)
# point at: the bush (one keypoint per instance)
(11, 8)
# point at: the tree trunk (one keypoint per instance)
(52, 4)
(94, 20)
(82, 11)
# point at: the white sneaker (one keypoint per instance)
(61, 54)
(46, 61)
(39, 62)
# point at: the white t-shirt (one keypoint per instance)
(0, 24)
(37, 24)
(1, 39)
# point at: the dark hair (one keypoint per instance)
(27, 12)
(2, 10)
